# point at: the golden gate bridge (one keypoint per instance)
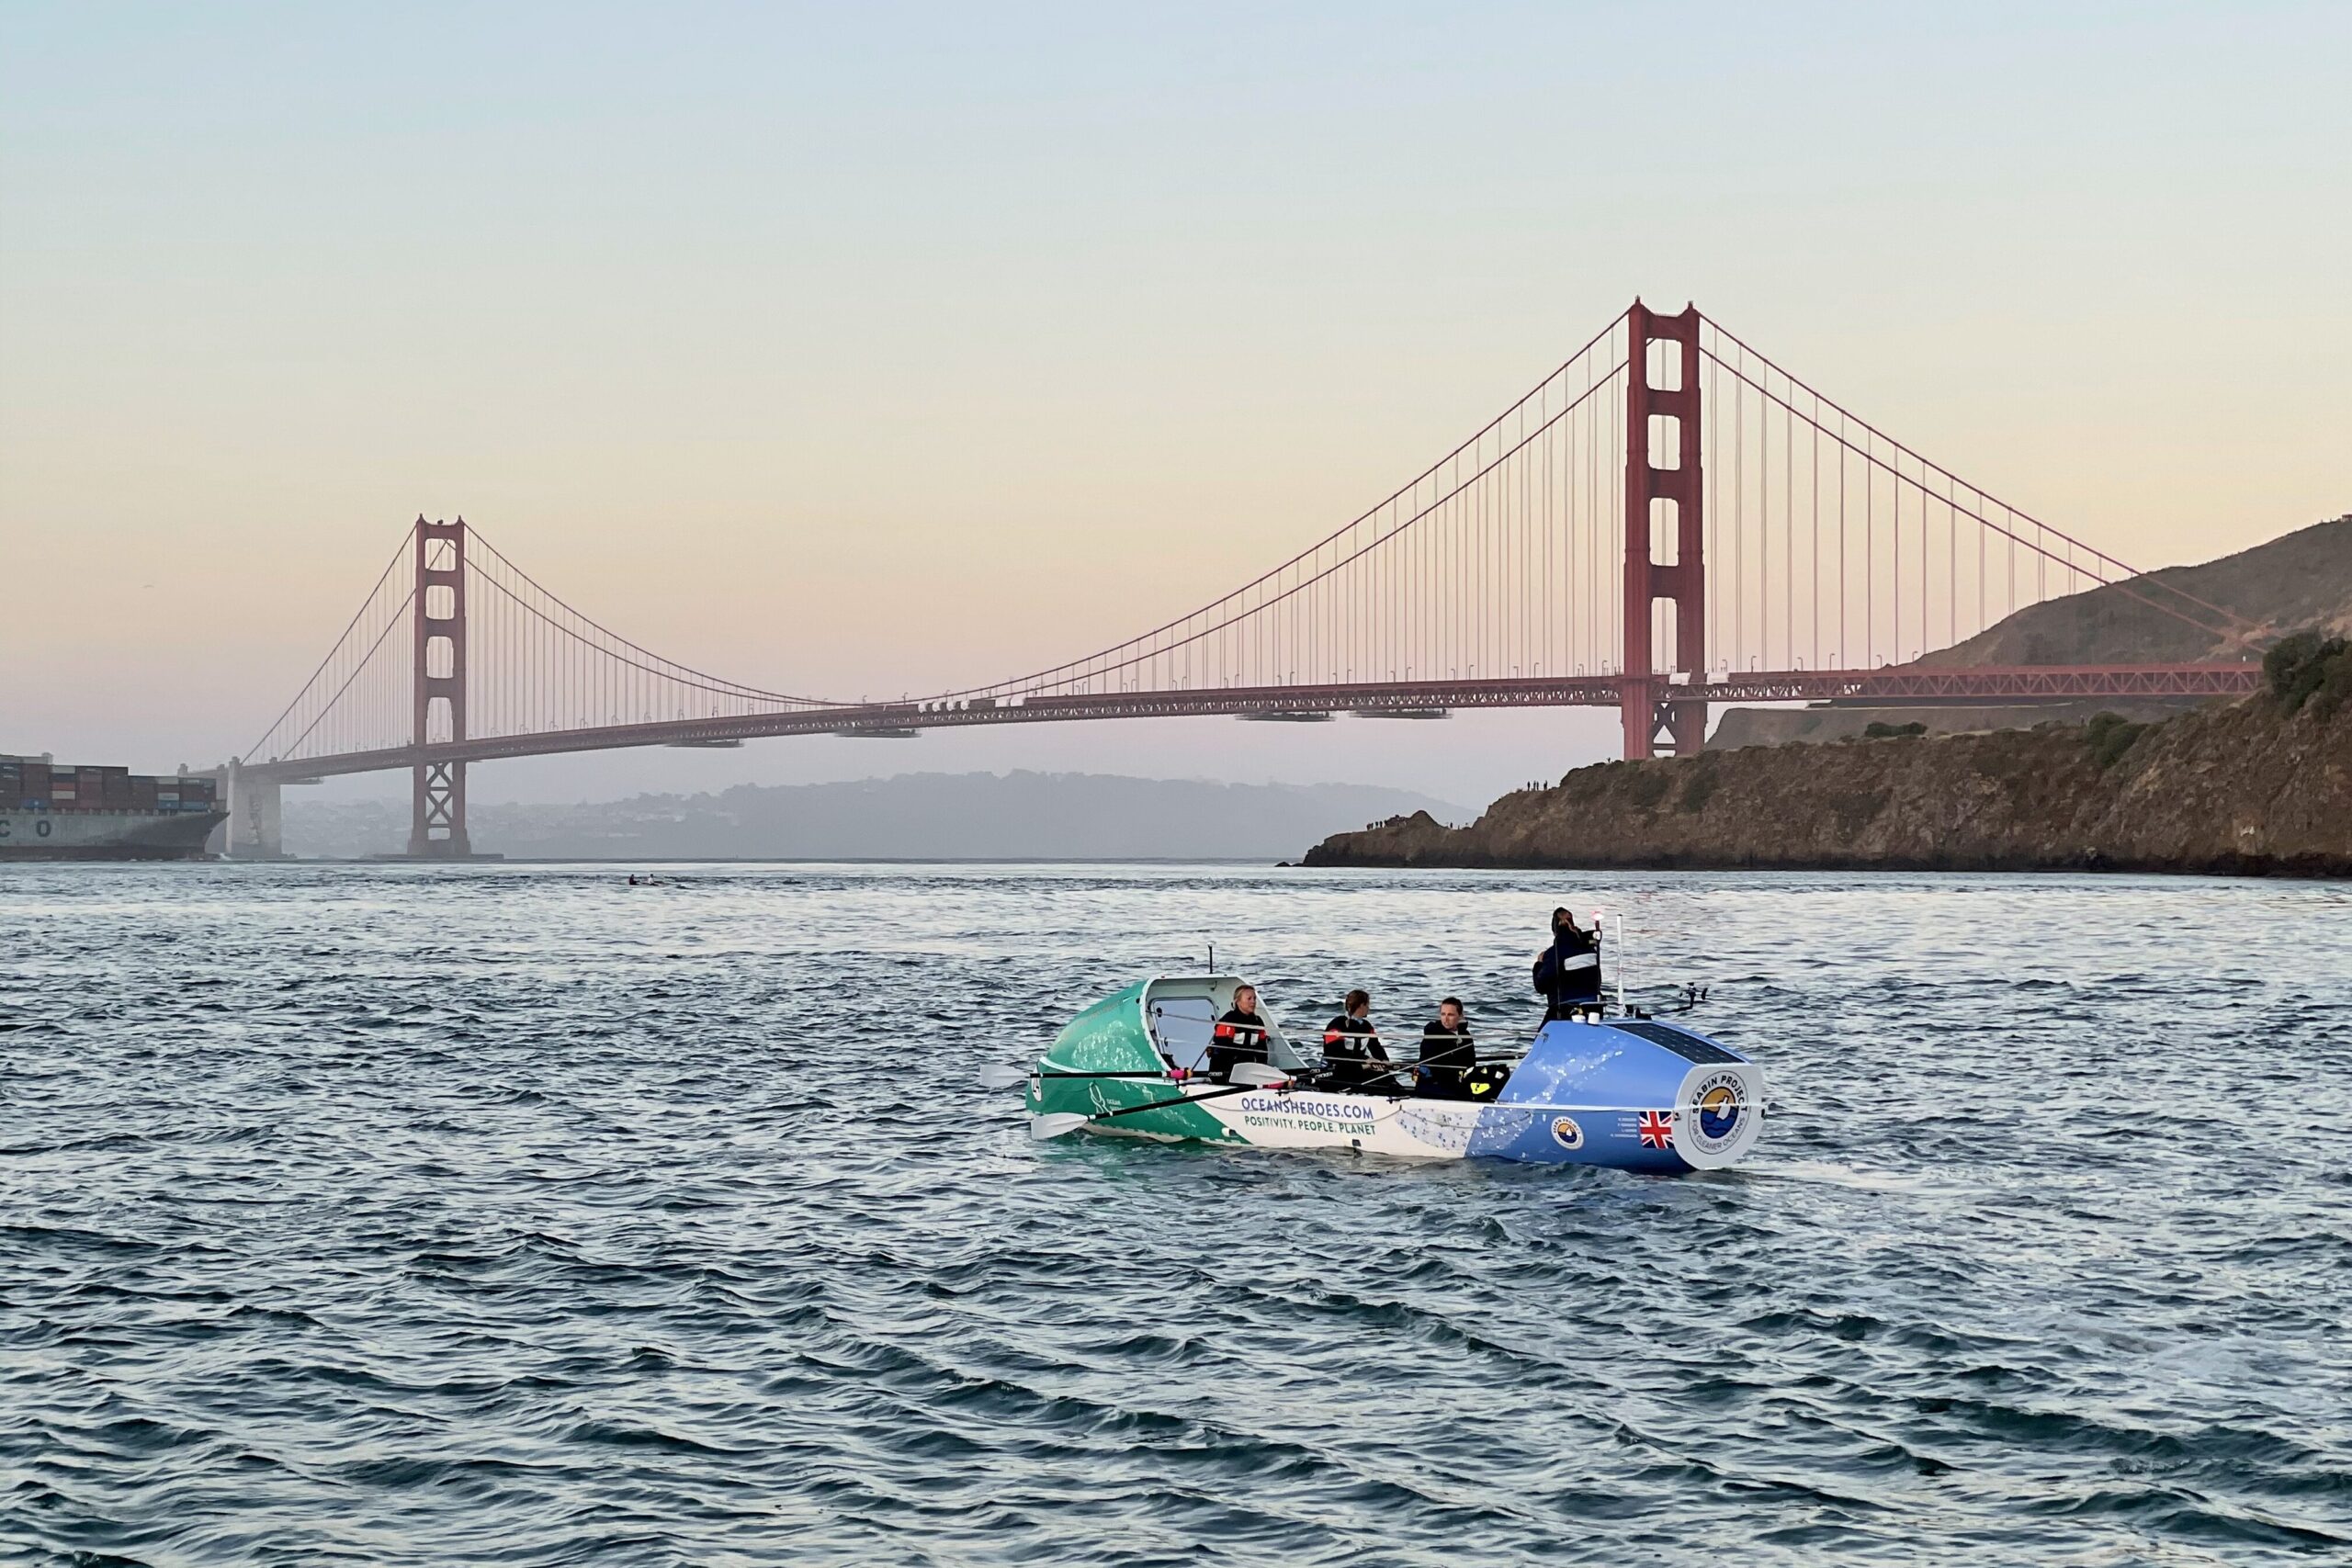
(1667, 521)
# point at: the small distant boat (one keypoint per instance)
(1619, 1089)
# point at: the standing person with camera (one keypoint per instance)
(1568, 973)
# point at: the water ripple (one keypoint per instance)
(510, 1216)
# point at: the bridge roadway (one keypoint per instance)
(1906, 685)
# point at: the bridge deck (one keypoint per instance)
(1909, 685)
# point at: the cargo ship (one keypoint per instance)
(52, 811)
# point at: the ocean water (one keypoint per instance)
(507, 1214)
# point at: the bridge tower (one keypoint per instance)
(437, 819)
(1663, 502)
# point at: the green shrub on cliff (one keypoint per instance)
(2336, 690)
(1703, 779)
(1878, 729)
(2307, 669)
(2109, 735)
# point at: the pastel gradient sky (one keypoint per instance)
(869, 349)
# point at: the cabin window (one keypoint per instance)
(1183, 1016)
(1182, 1025)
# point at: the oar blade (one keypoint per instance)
(996, 1076)
(1042, 1128)
(1258, 1073)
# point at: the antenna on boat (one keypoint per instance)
(1601, 919)
(1212, 958)
(1620, 964)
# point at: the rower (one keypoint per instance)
(1568, 973)
(1350, 1045)
(1240, 1035)
(1447, 1053)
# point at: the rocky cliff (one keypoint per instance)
(2263, 787)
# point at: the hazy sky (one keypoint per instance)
(871, 349)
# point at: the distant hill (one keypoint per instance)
(1019, 816)
(2299, 581)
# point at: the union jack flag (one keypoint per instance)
(1657, 1131)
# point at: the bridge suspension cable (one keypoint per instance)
(1833, 544)
(543, 666)
(1503, 573)
(1828, 544)
(1497, 561)
(320, 721)
(534, 666)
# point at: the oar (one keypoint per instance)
(1400, 1067)
(994, 1077)
(1408, 1067)
(1756, 1105)
(1013, 1077)
(1053, 1127)
(1044, 1127)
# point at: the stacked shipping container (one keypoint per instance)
(27, 783)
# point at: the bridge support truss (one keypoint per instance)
(1663, 503)
(437, 809)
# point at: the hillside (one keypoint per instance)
(2261, 786)
(2298, 581)
(1018, 816)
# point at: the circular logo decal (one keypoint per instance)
(1566, 1134)
(1719, 1104)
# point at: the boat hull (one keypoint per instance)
(107, 834)
(1630, 1094)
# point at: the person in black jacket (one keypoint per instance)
(1352, 1045)
(1568, 973)
(1240, 1035)
(1447, 1053)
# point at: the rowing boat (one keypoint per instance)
(1620, 1090)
